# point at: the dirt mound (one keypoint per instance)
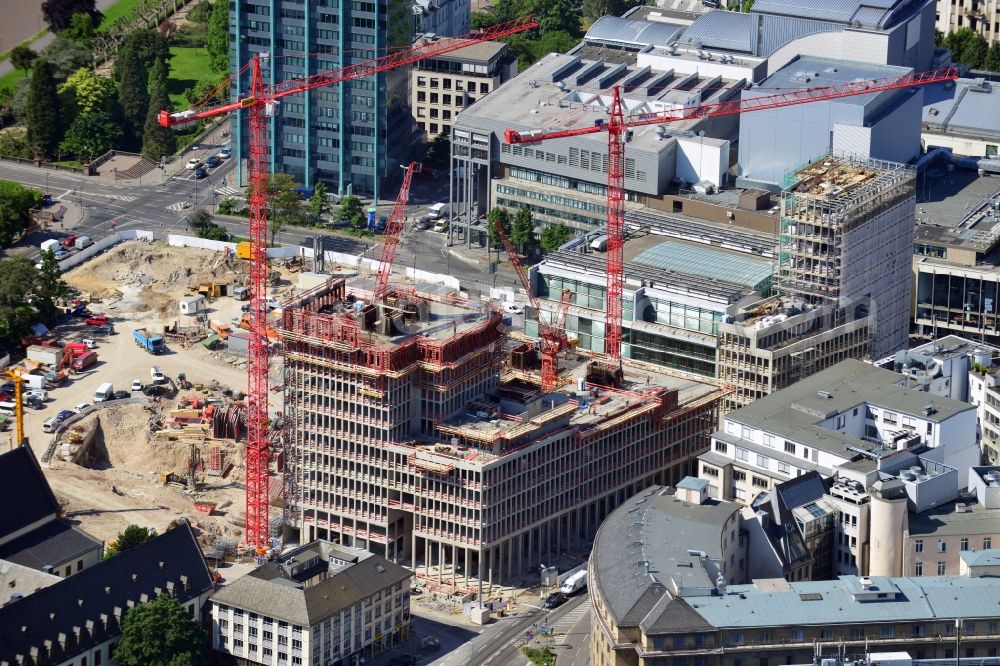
(118, 438)
(149, 278)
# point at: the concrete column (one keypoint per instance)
(440, 560)
(468, 565)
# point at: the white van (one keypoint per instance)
(8, 408)
(156, 375)
(51, 424)
(104, 392)
(436, 211)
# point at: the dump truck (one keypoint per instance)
(151, 342)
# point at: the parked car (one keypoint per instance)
(7, 387)
(60, 254)
(136, 385)
(512, 308)
(555, 600)
(69, 241)
(103, 329)
(225, 153)
(152, 389)
(192, 163)
(33, 402)
(65, 414)
(97, 320)
(82, 406)
(212, 160)
(90, 343)
(201, 172)
(41, 394)
(423, 224)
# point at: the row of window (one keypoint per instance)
(446, 84)
(942, 546)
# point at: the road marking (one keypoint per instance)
(179, 206)
(120, 197)
(227, 191)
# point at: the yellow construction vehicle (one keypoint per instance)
(18, 404)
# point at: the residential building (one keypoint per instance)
(441, 87)
(77, 620)
(981, 563)
(18, 581)
(665, 583)
(416, 439)
(317, 604)
(982, 18)
(445, 18)
(36, 535)
(352, 135)
(850, 419)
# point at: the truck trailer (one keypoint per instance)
(574, 583)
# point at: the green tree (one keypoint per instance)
(160, 633)
(201, 12)
(204, 226)
(554, 236)
(975, 52)
(66, 57)
(227, 207)
(351, 212)
(148, 45)
(498, 217)
(285, 206)
(439, 152)
(91, 134)
(559, 15)
(14, 143)
(44, 118)
(553, 42)
(992, 63)
(133, 95)
(217, 40)
(59, 13)
(158, 140)
(523, 229)
(80, 30)
(85, 92)
(130, 537)
(22, 58)
(938, 39)
(17, 279)
(15, 204)
(50, 286)
(318, 203)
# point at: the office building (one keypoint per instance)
(77, 620)
(416, 439)
(444, 18)
(668, 582)
(35, 535)
(441, 87)
(982, 18)
(963, 116)
(317, 604)
(354, 135)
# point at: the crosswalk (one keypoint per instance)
(562, 626)
(121, 197)
(179, 206)
(227, 191)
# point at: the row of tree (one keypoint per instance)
(520, 229)
(968, 48)
(559, 26)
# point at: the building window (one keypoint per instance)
(987, 543)
(790, 447)
(918, 568)
(784, 468)
(918, 631)
(963, 543)
(759, 482)
(739, 476)
(941, 568)
(889, 417)
(795, 635)
(763, 461)
(918, 546)
(736, 638)
(942, 546)
(742, 454)
(887, 631)
(710, 471)
(721, 447)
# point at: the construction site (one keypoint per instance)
(419, 430)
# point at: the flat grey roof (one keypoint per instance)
(955, 518)
(981, 558)
(832, 602)
(965, 107)
(795, 411)
(481, 52)
(953, 210)
(660, 529)
(813, 71)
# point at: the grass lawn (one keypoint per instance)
(10, 79)
(188, 66)
(116, 11)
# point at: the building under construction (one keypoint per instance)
(843, 285)
(419, 434)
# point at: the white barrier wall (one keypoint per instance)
(103, 244)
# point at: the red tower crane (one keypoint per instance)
(618, 125)
(553, 334)
(393, 229)
(262, 103)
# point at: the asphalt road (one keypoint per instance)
(97, 208)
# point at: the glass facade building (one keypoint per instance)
(352, 135)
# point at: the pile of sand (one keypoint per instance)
(149, 279)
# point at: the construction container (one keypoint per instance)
(48, 355)
(191, 305)
(243, 250)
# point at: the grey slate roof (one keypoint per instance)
(80, 600)
(24, 486)
(51, 544)
(18, 579)
(266, 590)
(795, 411)
(659, 529)
(921, 598)
(631, 33)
